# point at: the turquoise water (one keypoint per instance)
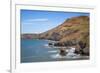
(34, 50)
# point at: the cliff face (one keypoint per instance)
(76, 28)
(71, 32)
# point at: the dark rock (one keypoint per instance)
(50, 44)
(63, 52)
(86, 51)
(82, 45)
(58, 44)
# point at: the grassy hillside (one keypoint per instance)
(72, 31)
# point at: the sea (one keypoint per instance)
(38, 50)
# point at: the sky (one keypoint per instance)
(37, 21)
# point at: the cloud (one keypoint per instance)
(25, 23)
(31, 21)
(38, 20)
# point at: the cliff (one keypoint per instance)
(71, 32)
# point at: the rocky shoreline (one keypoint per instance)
(80, 47)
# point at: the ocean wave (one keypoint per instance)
(66, 57)
(47, 46)
(53, 51)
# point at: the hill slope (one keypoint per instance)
(76, 28)
(72, 31)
